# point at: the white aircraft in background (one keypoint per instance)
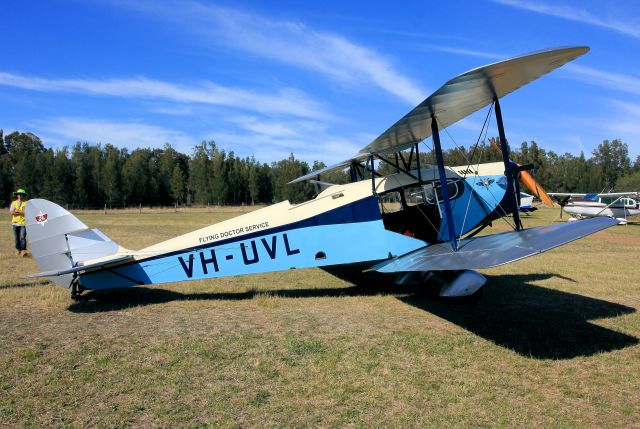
(618, 205)
(526, 203)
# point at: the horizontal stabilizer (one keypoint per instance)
(60, 242)
(97, 266)
(496, 249)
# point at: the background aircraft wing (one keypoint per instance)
(496, 249)
(564, 194)
(620, 194)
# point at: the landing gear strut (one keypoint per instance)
(454, 286)
(76, 288)
(466, 285)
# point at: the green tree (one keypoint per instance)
(24, 150)
(199, 173)
(114, 159)
(283, 172)
(613, 157)
(62, 177)
(135, 177)
(219, 173)
(5, 173)
(629, 182)
(178, 184)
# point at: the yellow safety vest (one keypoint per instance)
(18, 219)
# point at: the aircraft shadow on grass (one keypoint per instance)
(531, 320)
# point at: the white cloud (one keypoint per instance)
(278, 129)
(630, 27)
(68, 130)
(267, 140)
(619, 82)
(468, 52)
(285, 101)
(268, 148)
(625, 122)
(288, 42)
(272, 140)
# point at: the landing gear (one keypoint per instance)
(452, 286)
(465, 286)
(464, 283)
(76, 288)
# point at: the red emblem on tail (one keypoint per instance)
(41, 218)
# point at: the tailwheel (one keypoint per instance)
(76, 288)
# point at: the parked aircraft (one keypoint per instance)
(526, 203)
(373, 221)
(618, 205)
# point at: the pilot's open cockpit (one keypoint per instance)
(415, 210)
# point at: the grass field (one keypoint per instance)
(554, 342)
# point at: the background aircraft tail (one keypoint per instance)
(60, 241)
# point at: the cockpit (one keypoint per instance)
(416, 210)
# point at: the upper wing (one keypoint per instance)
(468, 93)
(338, 166)
(496, 249)
(462, 96)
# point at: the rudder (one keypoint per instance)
(59, 240)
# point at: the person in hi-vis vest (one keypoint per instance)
(17, 220)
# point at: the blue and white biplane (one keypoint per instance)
(421, 219)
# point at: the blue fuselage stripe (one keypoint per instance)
(312, 246)
(364, 210)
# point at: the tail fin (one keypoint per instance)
(60, 241)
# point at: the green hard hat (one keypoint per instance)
(20, 191)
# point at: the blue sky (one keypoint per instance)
(319, 79)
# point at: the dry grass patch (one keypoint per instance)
(553, 342)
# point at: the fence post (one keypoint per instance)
(140, 208)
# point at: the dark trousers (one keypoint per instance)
(20, 236)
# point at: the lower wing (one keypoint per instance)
(493, 250)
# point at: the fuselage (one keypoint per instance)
(369, 220)
(618, 207)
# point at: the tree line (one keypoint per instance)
(92, 176)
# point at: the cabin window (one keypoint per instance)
(430, 194)
(607, 200)
(415, 195)
(415, 211)
(390, 202)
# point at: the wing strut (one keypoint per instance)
(443, 182)
(508, 169)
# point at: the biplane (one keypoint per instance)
(618, 205)
(420, 219)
